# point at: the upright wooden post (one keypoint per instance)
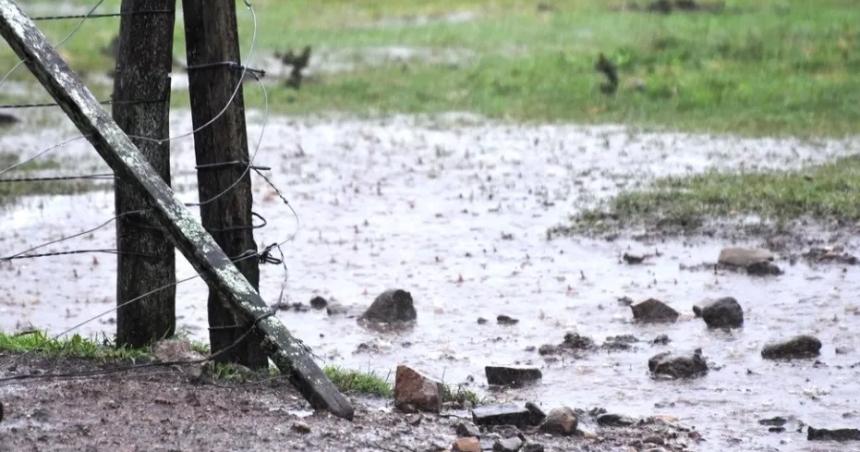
(187, 234)
(141, 107)
(212, 40)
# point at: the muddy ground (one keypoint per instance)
(163, 409)
(456, 209)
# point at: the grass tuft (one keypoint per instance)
(72, 347)
(352, 381)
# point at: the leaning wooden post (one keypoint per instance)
(189, 236)
(215, 79)
(141, 107)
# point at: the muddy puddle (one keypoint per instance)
(455, 210)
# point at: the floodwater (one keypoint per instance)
(455, 209)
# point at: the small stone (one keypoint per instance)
(615, 420)
(763, 269)
(467, 429)
(7, 119)
(482, 321)
(512, 444)
(795, 348)
(391, 306)
(301, 427)
(669, 365)
(654, 311)
(468, 444)
(842, 434)
(504, 415)
(533, 447)
(506, 320)
(414, 419)
(318, 302)
(414, 391)
(512, 376)
(774, 421)
(744, 257)
(660, 340)
(336, 309)
(633, 259)
(575, 341)
(547, 349)
(537, 414)
(723, 313)
(619, 343)
(560, 421)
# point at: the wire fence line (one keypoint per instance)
(264, 256)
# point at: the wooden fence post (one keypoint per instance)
(187, 234)
(215, 78)
(146, 259)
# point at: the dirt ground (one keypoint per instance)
(165, 409)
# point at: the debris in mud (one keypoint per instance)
(619, 343)
(634, 259)
(533, 447)
(835, 254)
(654, 311)
(669, 365)
(336, 309)
(560, 421)
(414, 391)
(301, 427)
(298, 62)
(506, 415)
(798, 347)
(466, 444)
(608, 69)
(615, 420)
(660, 340)
(512, 444)
(777, 421)
(576, 341)
(297, 307)
(722, 313)
(318, 302)
(512, 376)
(392, 306)
(842, 434)
(7, 119)
(506, 320)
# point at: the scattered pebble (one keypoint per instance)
(798, 347)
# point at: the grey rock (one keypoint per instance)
(615, 420)
(560, 421)
(795, 348)
(744, 257)
(391, 306)
(575, 341)
(763, 269)
(7, 119)
(512, 376)
(512, 444)
(723, 313)
(467, 429)
(669, 365)
(653, 311)
(336, 309)
(547, 349)
(661, 340)
(537, 414)
(774, 421)
(506, 320)
(619, 343)
(533, 447)
(842, 434)
(504, 415)
(318, 302)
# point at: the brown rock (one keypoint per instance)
(467, 444)
(560, 421)
(414, 391)
(653, 311)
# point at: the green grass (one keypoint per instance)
(355, 382)
(70, 347)
(773, 67)
(824, 192)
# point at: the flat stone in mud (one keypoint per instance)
(505, 415)
(798, 347)
(560, 421)
(506, 320)
(615, 420)
(764, 269)
(391, 306)
(654, 311)
(723, 313)
(669, 365)
(744, 257)
(413, 391)
(7, 119)
(512, 444)
(841, 434)
(467, 429)
(512, 376)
